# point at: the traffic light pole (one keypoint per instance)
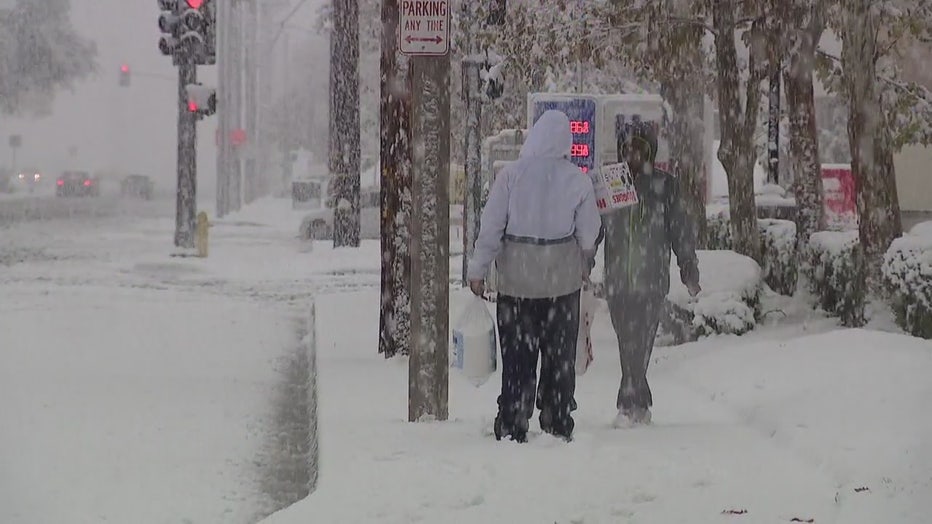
(186, 204)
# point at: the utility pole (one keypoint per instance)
(250, 179)
(395, 168)
(236, 102)
(186, 210)
(425, 35)
(224, 163)
(344, 112)
(287, 164)
(475, 91)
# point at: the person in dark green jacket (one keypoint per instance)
(638, 242)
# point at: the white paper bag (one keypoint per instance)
(587, 304)
(475, 346)
(614, 188)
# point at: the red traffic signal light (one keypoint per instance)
(195, 4)
(192, 106)
(124, 76)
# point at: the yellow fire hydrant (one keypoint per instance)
(202, 226)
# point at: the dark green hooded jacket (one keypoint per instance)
(639, 239)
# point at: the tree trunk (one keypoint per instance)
(736, 151)
(804, 134)
(687, 129)
(344, 114)
(395, 167)
(870, 141)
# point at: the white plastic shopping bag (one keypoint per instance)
(587, 304)
(475, 347)
(614, 187)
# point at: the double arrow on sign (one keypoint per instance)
(435, 39)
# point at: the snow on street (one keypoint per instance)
(137, 387)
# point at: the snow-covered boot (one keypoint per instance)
(628, 418)
(517, 431)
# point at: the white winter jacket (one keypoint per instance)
(540, 220)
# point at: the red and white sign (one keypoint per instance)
(615, 188)
(424, 27)
(840, 198)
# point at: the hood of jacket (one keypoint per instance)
(549, 138)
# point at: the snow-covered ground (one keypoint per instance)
(138, 387)
(799, 421)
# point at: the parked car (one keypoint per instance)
(318, 224)
(77, 183)
(137, 186)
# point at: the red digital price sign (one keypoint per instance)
(579, 150)
(579, 127)
(581, 113)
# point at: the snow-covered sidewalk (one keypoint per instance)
(124, 406)
(781, 425)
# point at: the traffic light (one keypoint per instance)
(199, 31)
(202, 100)
(170, 25)
(189, 28)
(124, 76)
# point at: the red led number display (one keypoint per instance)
(580, 150)
(579, 127)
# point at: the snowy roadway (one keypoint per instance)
(137, 387)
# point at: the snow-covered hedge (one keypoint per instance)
(907, 270)
(778, 242)
(837, 275)
(729, 302)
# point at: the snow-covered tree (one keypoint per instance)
(395, 169)
(662, 43)
(800, 26)
(40, 54)
(738, 111)
(884, 112)
(344, 160)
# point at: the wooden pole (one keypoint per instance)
(428, 373)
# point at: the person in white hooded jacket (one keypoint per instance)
(539, 226)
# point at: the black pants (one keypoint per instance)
(526, 328)
(635, 318)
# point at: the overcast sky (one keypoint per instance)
(125, 129)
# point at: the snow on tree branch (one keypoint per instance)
(40, 54)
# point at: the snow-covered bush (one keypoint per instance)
(907, 271)
(837, 275)
(719, 229)
(778, 239)
(778, 245)
(729, 302)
